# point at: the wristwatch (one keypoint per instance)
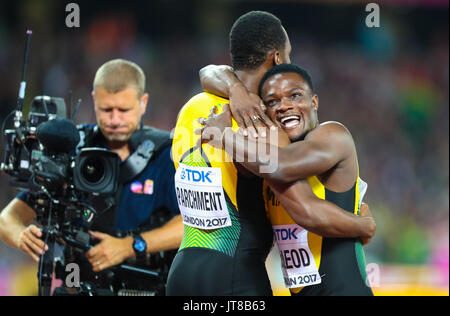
(139, 247)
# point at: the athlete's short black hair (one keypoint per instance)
(286, 68)
(253, 36)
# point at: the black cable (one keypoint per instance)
(24, 72)
(44, 104)
(70, 106)
(6, 119)
(77, 107)
(4, 125)
(41, 263)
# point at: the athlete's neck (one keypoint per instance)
(303, 135)
(251, 78)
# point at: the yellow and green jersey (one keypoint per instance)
(228, 260)
(314, 265)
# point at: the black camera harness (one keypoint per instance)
(145, 143)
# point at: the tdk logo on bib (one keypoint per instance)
(297, 261)
(285, 234)
(195, 175)
(201, 197)
(183, 174)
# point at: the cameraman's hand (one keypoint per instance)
(109, 252)
(31, 243)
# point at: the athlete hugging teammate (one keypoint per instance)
(323, 154)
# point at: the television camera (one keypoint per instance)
(41, 156)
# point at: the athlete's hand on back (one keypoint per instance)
(364, 211)
(214, 126)
(249, 112)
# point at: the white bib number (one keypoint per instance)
(298, 264)
(201, 198)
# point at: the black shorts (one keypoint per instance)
(340, 270)
(207, 272)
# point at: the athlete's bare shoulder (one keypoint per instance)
(331, 130)
(335, 137)
(335, 126)
(205, 97)
(200, 105)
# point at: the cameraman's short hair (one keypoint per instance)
(253, 36)
(118, 74)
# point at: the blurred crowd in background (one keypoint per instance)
(388, 85)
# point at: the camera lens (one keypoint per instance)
(96, 170)
(93, 169)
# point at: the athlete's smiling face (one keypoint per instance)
(291, 103)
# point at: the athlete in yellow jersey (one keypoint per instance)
(227, 234)
(323, 154)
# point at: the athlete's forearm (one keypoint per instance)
(259, 156)
(166, 237)
(256, 155)
(328, 220)
(219, 80)
(320, 216)
(273, 161)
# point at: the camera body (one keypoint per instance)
(21, 145)
(40, 155)
(66, 182)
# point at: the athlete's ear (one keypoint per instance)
(315, 102)
(277, 58)
(274, 57)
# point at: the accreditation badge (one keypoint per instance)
(297, 261)
(201, 198)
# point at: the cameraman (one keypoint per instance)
(120, 101)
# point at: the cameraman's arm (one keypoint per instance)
(166, 237)
(112, 251)
(16, 231)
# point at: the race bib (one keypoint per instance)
(298, 264)
(201, 198)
